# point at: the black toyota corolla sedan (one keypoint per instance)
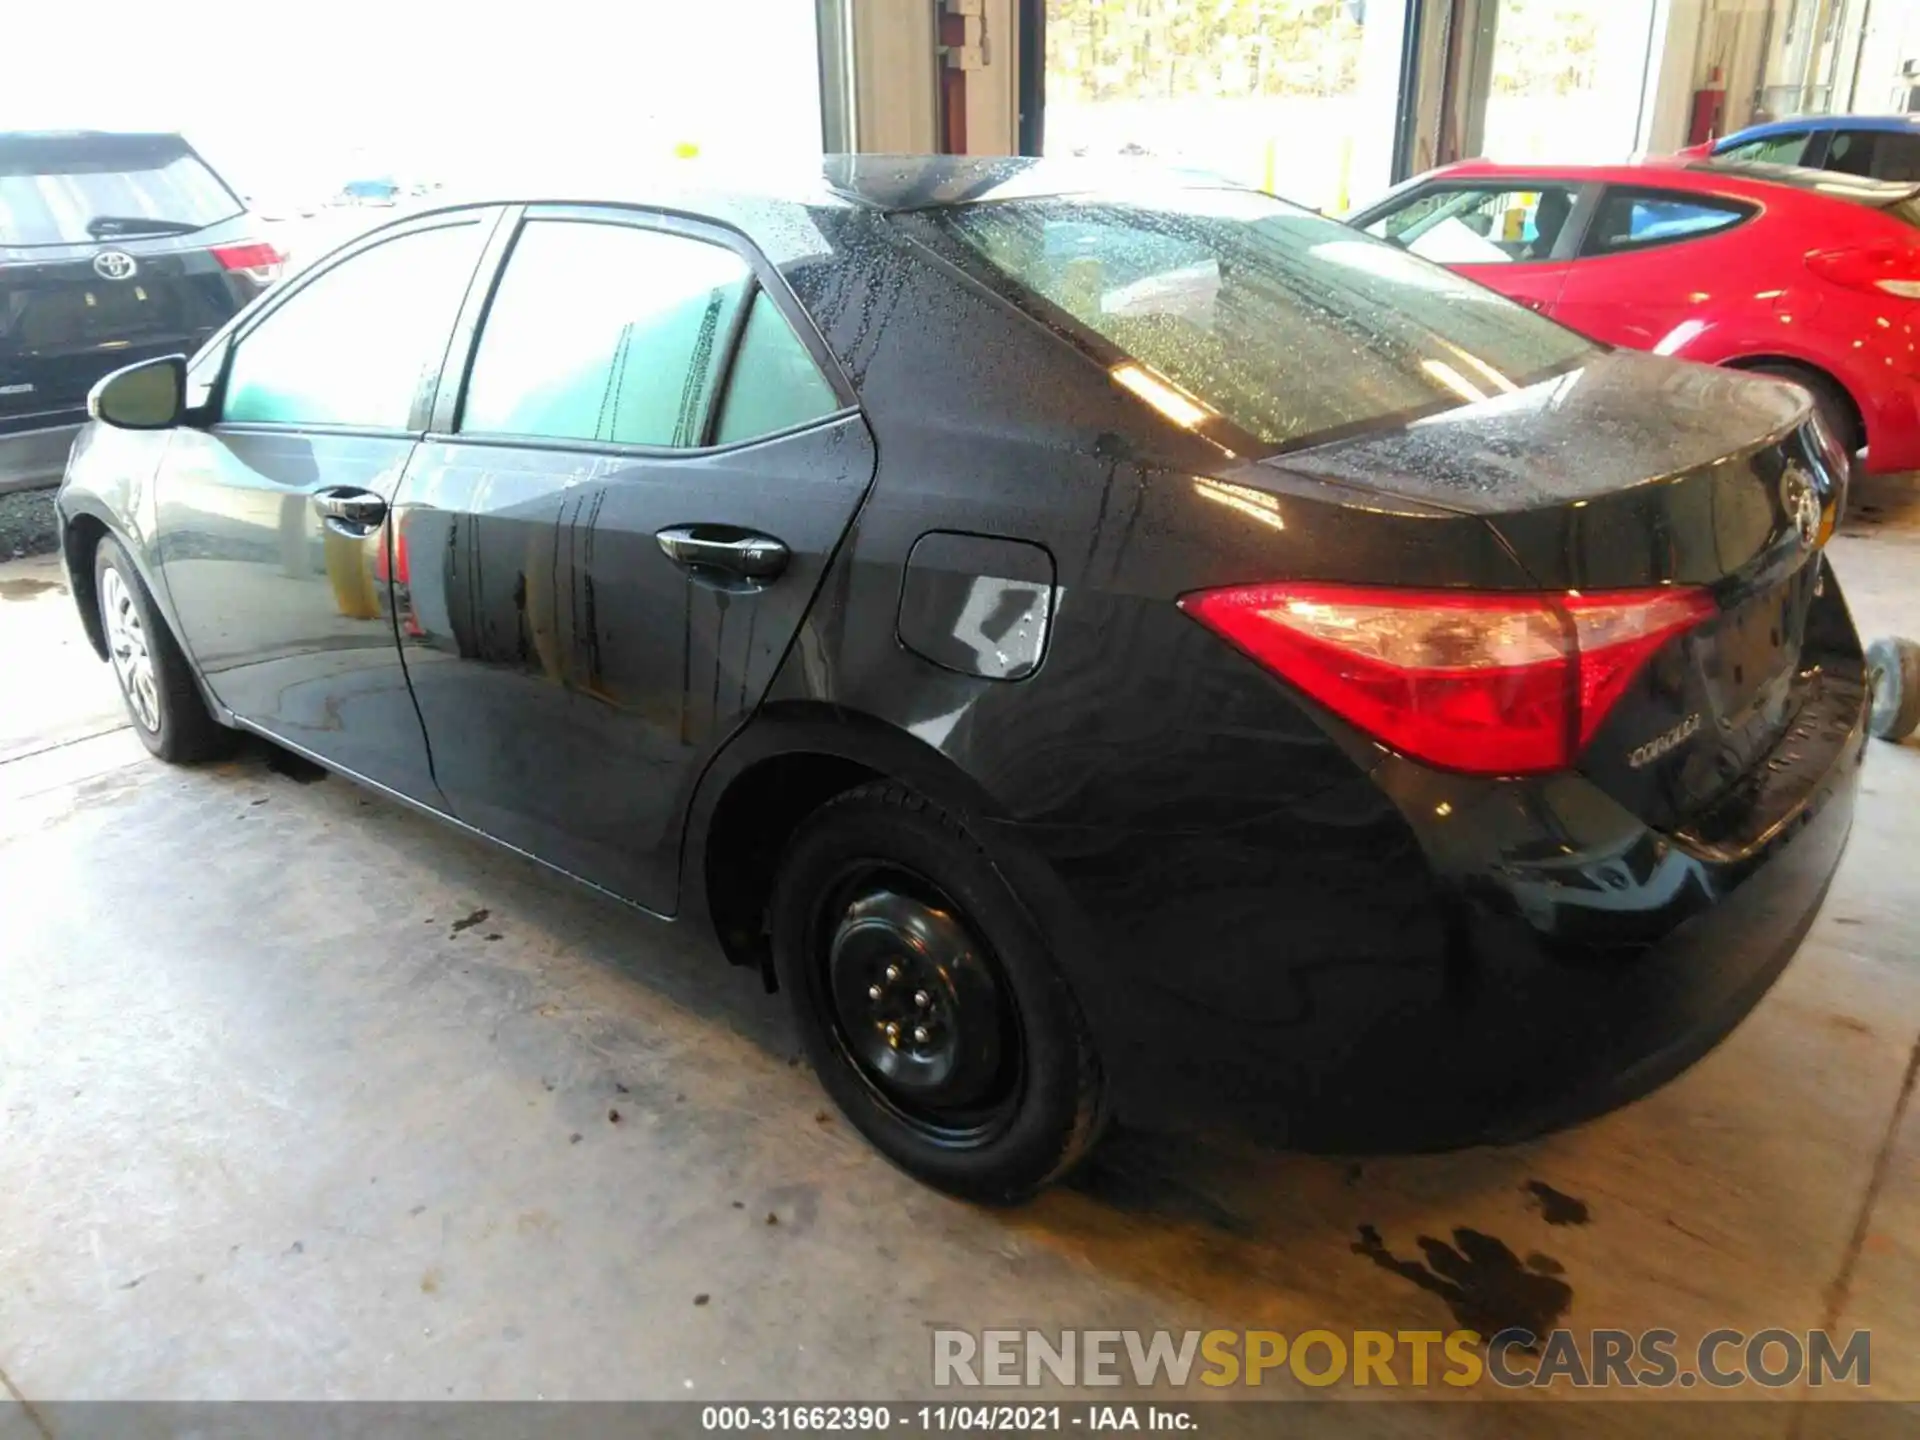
(1103, 647)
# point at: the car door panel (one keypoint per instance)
(1638, 297)
(1535, 286)
(285, 613)
(271, 528)
(574, 679)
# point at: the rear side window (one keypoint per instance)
(357, 345)
(1639, 219)
(1788, 149)
(72, 190)
(774, 385)
(605, 332)
(1487, 226)
(1288, 325)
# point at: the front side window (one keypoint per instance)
(1636, 220)
(1287, 324)
(1853, 152)
(605, 332)
(1486, 226)
(1897, 157)
(1876, 154)
(359, 343)
(1788, 149)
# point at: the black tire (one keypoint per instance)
(1896, 688)
(169, 715)
(1836, 409)
(1000, 1093)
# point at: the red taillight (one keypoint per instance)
(256, 257)
(1492, 684)
(1885, 269)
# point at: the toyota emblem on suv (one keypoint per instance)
(114, 265)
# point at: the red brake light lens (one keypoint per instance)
(256, 257)
(1886, 269)
(1490, 684)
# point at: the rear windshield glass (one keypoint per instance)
(1289, 325)
(52, 188)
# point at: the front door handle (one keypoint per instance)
(361, 509)
(724, 548)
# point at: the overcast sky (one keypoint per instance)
(288, 93)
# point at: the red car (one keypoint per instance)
(1804, 274)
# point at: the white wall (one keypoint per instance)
(893, 66)
(1892, 40)
(993, 92)
(309, 90)
(1746, 39)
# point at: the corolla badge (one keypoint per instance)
(1664, 744)
(1802, 502)
(114, 265)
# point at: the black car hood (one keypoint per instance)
(1621, 420)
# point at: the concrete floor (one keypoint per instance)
(305, 1096)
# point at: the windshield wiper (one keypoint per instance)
(103, 225)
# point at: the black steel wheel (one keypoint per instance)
(928, 1006)
(917, 1005)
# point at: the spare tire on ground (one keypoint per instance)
(1895, 664)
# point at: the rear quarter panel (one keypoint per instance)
(1190, 835)
(1773, 307)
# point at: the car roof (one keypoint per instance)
(1749, 181)
(1795, 124)
(885, 183)
(775, 205)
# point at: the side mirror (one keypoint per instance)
(147, 396)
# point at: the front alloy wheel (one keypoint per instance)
(127, 648)
(162, 697)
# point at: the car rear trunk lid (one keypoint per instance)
(1638, 474)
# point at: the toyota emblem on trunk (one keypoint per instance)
(1802, 503)
(114, 265)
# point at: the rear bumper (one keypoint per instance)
(1425, 961)
(35, 459)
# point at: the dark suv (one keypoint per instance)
(113, 247)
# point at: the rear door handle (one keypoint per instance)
(726, 549)
(357, 509)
